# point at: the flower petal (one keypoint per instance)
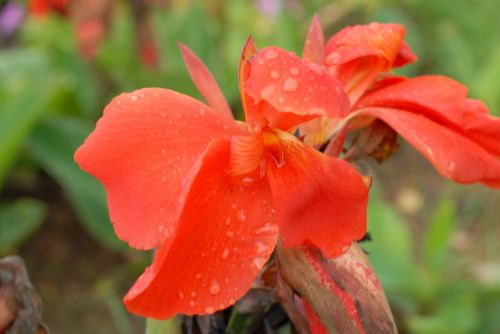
(288, 91)
(320, 200)
(357, 54)
(205, 82)
(454, 155)
(144, 150)
(314, 47)
(444, 101)
(224, 237)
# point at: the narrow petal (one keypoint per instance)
(225, 235)
(248, 52)
(320, 200)
(288, 91)
(444, 101)
(314, 47)
(357, 54)
(144, 151)
(205, 82)
(455, 156)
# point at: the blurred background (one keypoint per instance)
(435, 245)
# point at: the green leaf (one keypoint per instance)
(18, 221)
(438, 233)
(17, 117)
(390, 250)
(52, 144)
(170, 326)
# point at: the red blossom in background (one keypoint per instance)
(212, 194)
(455, 133)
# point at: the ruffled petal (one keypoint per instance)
(224, 237)
(320, 200)
(357, 54)
(205, 82)
(288, 91)
(455, 156)
(442, 100)
(314, 47)
(144, 151)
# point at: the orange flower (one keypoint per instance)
(431, 112)
(212, 194)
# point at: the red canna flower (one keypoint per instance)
(44, 7)
(212, 194)
(431, 112)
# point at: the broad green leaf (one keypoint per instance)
(18, 221)
(17, 117)
(52, 144)
(438, 234)
(390, 250)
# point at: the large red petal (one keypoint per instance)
(442, 100)
(144, 150)
(205, 82)
(288, 91)
(320, 200)
(455, 156)
(224, 237)
(357, 54)
(314, 47)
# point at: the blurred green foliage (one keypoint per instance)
(50, 98)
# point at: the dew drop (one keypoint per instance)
(267, 91)
(193, 294)
(197, 276)
(209, 309)
(290, 85)
(229, 234)
(294, 71)
(274, 74)
(271, 54)
(242, 215)
(214, 287)
(202, 112)
(228, 221)
(451, 166)
(225, 253)
(191, 303)
(134, 97)
(181, 295)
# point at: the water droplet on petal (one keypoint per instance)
(209, 309)
(242, 215)
(290, 85)
(274, 74)
(191, 303)
(134, 97)
(197, 276)
(202, 112)
(271, 54)
(181, 295)
(267, 91)
(228, 221)
(214, 287)
(225, 253)
(451, 166)
(229, 234)
(193, 294)
(294, 71)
